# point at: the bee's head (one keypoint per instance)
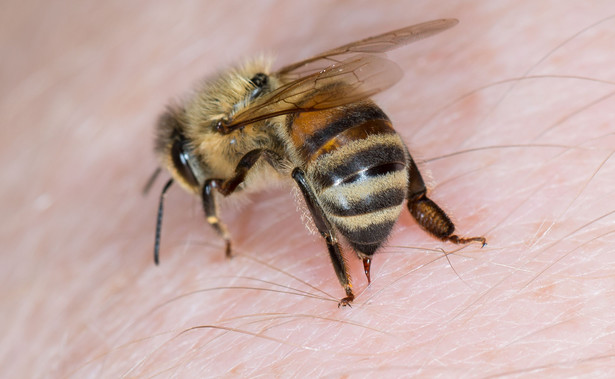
(175, 151)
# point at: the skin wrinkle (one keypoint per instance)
(528, 165)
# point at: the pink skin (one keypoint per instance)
(82, 87)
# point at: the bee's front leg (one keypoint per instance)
(227, 187)
(211, 212)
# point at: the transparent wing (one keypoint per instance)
(352, 80)
(372, 45)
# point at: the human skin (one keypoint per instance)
(526, 163)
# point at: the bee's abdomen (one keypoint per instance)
(359, 175)
(364, 202)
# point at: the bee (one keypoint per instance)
(312, 121)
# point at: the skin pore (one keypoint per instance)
(509, 114)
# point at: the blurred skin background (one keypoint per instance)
(509, 113)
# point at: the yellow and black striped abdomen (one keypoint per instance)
(357, 165)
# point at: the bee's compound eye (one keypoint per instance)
(181, 160)
(260, 80)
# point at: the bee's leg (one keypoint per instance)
(326, 230)
(244, 166)
(211, 212)
(428, 214)
(228, 186)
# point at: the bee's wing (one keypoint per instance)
(336, 77)
(372, 45)
(352, 80)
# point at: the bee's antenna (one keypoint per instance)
(159, 220)
(151, 180)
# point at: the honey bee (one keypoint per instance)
(312, 121)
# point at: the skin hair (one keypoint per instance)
(509, 114)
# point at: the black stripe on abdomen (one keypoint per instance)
(367, 240)
(378, 159)
(344, 207)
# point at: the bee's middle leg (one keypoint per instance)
(328, 233)
(228, 186)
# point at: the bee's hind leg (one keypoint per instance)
(428, 214)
